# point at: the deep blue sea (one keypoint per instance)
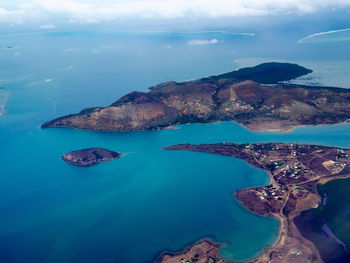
(150, 200)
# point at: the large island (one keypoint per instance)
(294, 171)
(256, 97)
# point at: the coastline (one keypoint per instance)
(281, 231)
(159, 258)
(323, 181)
(264, 251)
(288, 129)
(186, 248)
(318, 165)
(280, 236)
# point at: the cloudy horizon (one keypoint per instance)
(86, 11)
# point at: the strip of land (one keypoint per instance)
(294, 171)
(253, 97)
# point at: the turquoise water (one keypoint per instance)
(150, 200)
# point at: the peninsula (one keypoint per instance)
(90, 156)
(294, 171)
(256, 97)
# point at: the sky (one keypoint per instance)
(95, 11)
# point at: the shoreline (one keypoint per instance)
(210, 240)
(265, 250)
(296, 196)
(287, 129)
(186, 248)
(280, 236)
(292, 128)
(178, 126)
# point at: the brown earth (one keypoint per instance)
(229, 97)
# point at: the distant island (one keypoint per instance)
(256, 97)
(294, 171)
(90, 156)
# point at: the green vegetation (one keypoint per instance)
(268, 73)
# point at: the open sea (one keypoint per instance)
(150, 200)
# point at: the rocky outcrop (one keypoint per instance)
(90, 156)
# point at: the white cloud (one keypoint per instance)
(85, 11)
(47, 26)
(203, 41)
(111, 47)
(323, 33)
(18, 15)
(70, 50)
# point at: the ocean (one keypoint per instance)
(150, 200)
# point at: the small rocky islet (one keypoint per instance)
(90, 156)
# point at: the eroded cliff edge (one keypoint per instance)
(253, 97)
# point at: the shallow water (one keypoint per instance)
(150, 200)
